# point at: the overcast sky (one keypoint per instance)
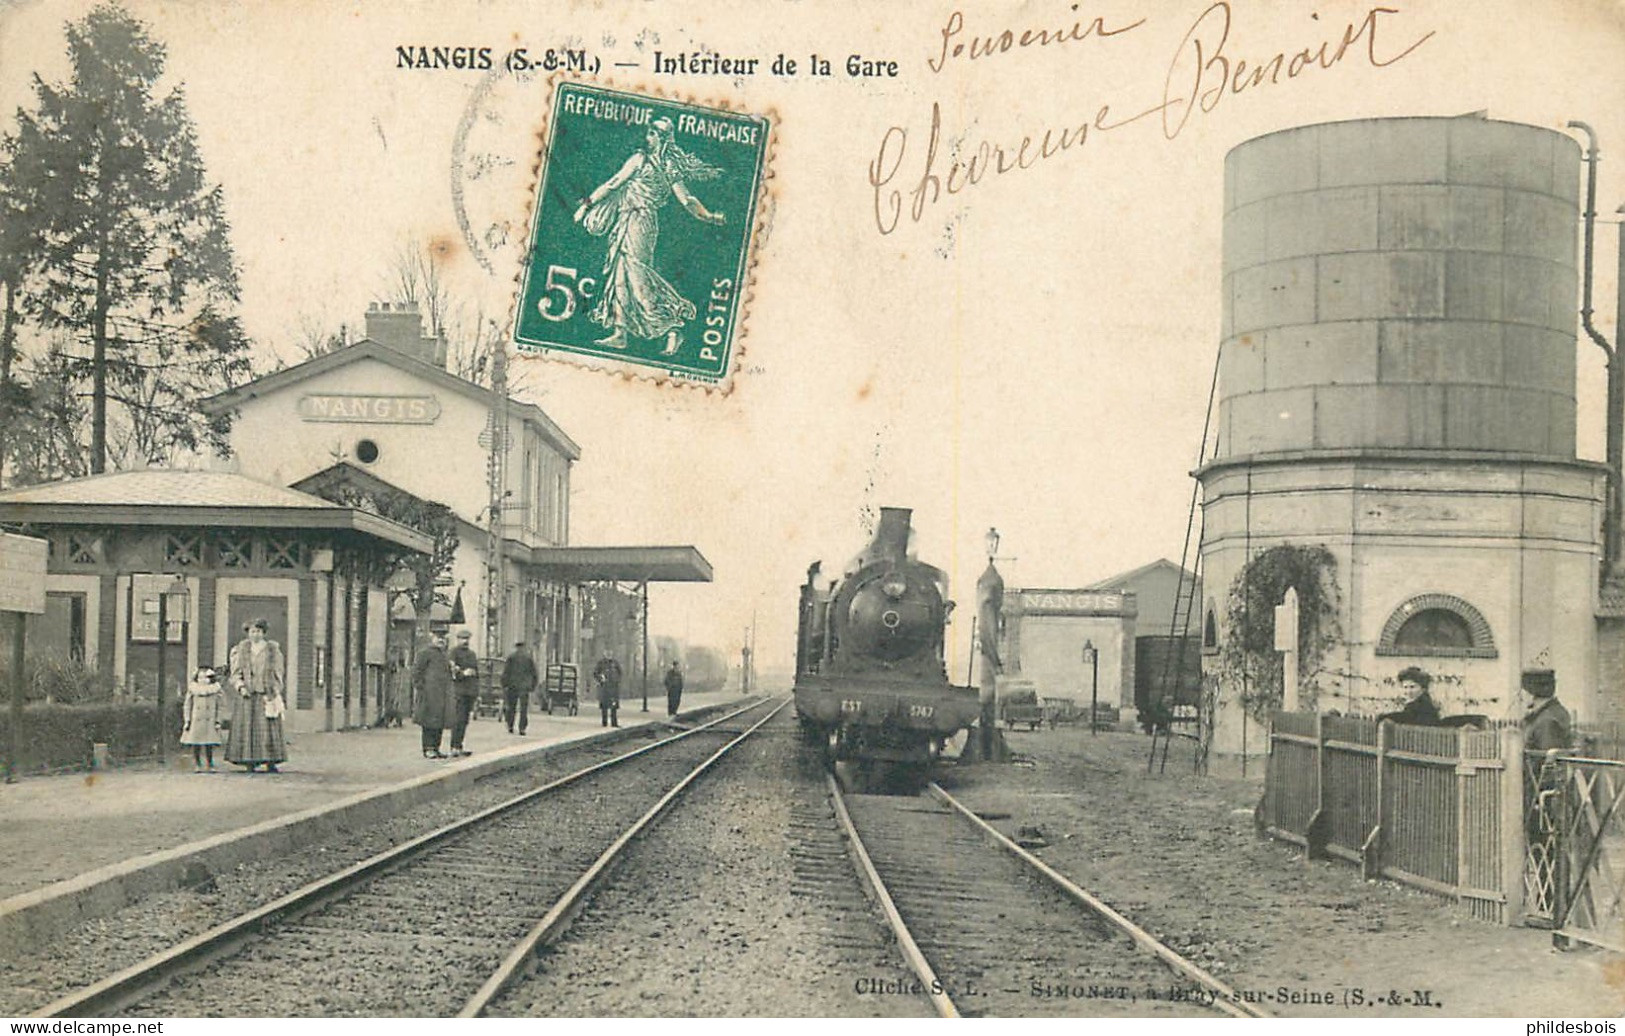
(1032, 353)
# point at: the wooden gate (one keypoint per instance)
(1589, 878)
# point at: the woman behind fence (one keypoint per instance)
(257, 704)
(1420, 710)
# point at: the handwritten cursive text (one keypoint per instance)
(1204, 74)
(1003, 42)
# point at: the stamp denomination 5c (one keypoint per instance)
(645, 213)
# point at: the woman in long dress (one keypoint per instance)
(635, 299)
(257, 705)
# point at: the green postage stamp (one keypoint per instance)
(639, 254)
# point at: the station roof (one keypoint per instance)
(367, 349)
(163, 497)
(620, 564)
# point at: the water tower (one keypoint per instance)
(1397, 387)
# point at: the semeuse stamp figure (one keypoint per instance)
(626, 209)
(608, 250)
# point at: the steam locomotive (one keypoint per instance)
(871, 681)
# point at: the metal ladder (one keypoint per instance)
(1179, 623)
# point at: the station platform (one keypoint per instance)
(76, 846)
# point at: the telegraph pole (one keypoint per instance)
(496, 471)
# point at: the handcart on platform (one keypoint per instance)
(559, 690)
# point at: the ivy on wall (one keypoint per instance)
(1248, 661)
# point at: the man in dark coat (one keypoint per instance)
(1547, 732)
(607, 675)
(674, 688)
(431, 676)
(518, 681)
(1546, 723)
(1419, 710)
(465, 685)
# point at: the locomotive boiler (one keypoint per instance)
(871, 679)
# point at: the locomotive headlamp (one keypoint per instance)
(894, 587)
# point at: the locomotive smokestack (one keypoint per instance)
(891, 536)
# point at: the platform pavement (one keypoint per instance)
(77, 836)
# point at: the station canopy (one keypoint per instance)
(682, 564)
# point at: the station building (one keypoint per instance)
(1044, 639)
(294, 532)
(1397, 400)
(159, 570)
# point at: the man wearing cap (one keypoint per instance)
(607, 674)
(1546, 723)
(674, 688)
(1546, 732)
(1420, 709)
(465, 686)
(518, 681)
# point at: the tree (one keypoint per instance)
(19, 256)
(416, 274)
(133, 253)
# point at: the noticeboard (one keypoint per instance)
(146, 590)
(22, 573)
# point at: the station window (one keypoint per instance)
(1437, 626)
(366, 451)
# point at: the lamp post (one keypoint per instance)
(989, 602)
(1091, 657)
(643, 625)
(179, 592)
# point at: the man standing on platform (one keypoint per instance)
(518, 682)
(431, 677)
(674, 688)
(465, 685)
(607, 674)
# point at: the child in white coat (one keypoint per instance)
(204, 711)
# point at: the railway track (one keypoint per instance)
(438, 925)
(989, 929)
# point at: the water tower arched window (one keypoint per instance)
(1210, 630)
(1437, 626)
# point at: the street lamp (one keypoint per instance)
(1091, 657)
(180, 594)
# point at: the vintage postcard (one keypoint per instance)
(812, 508)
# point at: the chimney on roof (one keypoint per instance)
(400, 326)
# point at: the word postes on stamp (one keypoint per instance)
(645, 213)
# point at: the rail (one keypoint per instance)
(570, 904)
(917, 963)
(112, 993)
(1226, 1000)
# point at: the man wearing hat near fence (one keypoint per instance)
(1420, 709)
(1546, 723)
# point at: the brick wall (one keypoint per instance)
(1611, 670)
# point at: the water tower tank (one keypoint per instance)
(1400, 284)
